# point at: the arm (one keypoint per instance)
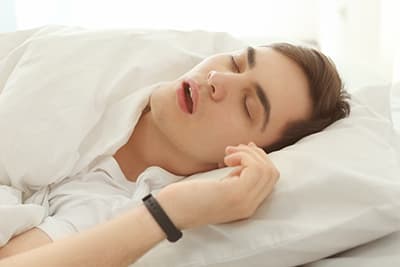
(126, 238)
(115, 243)
(24, 242)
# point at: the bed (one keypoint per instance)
(339, 189)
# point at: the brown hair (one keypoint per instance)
(329, 98)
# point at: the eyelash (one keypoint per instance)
(245, 107)
(236, 68)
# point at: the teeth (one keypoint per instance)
(190, 92)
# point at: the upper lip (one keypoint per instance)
(195, 92)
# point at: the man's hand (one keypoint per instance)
(234, 197)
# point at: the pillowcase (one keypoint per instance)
(395, 103)
(381, 252)
(339, 188)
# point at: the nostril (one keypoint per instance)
(213, 88)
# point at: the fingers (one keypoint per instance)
(256, 171)
(254, 152)
(235, 172)
(250, 147)
(248, 166)
(239, 159)
(258, 151)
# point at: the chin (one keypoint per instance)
(159, 100)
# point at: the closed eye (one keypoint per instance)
(235, 66)
(245, 107)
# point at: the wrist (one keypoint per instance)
(167, 199)
(147, 220)
(161, 217)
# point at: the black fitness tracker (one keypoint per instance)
(173, 234)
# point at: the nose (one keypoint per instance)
(217, 82)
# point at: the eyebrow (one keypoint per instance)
(251, 57)
(251, 61)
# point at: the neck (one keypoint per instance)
(147, 147)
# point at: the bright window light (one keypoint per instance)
(297, 19)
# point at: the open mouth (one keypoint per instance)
(188, 96)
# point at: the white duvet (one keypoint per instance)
(69, 96)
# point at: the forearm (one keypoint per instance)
(189, 204)
(116, 243)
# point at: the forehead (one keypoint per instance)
(285, 84)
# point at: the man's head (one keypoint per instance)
(256, 94)
(330, 100)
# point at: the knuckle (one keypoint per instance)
(234, 199)
(275, 173)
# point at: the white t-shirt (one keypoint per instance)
(94, 196)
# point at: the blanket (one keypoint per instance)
(69, 96)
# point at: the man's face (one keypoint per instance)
(231, 93)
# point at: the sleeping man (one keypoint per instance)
(229, 110)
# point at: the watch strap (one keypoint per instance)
(162, 219)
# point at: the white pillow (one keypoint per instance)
(395, 102)
(338, 189)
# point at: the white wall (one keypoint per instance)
(362, 37)
(7, 16)
(297, 19)
(390, 36)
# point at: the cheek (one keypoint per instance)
(227, 129)
(209, 135)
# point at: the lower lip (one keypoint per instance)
(181, 100)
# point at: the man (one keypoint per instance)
(234, 98)
(270, 96)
